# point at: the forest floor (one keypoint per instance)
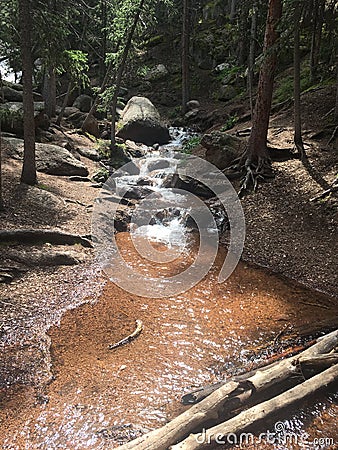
(286, 232)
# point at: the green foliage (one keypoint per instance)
(143, 70)
(103, 148)
(75, 63)
(230, 123)
(230, 73)
(101, 176)
(193, 142)
(284, 91)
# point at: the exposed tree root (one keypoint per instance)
(251, 173)
(42, 236)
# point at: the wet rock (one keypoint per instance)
(157, 164)
(138, 192)
(135, 150)
(222, 148)
(175, 181)
(50, 159)
(141, 122)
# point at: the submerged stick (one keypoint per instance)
(131, 337)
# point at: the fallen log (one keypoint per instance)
(252, 416)
(230, 396)
(42, 236)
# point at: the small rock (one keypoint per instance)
(193, 104)
(157, 73)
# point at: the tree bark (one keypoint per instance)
(65, 103)
(97, 98)
(318, 18)
(49, 92)
(257, 145)
(252, 50)
(28, 174)
(185, 54)
(121, 70)
(1, 197)
(336, 106)
(296, 87)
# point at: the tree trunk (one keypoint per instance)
(251, 61)
(296, 67)
(1, 198)
(49, 92)
(97, 98)
(318, 18)
(257, 145)
(121, 70)
(185, 54)
(336, 107)
(65, 103)
(104, 39)
(28, 175)
(233, 10)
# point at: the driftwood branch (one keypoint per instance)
(233, 394)
(42, 236)
(130, 338)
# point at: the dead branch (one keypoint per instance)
(131, 337)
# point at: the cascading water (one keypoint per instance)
(168, 224)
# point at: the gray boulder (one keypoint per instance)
(226, 93)
(50, 159)
(12, 95)
(222, 148)
(83, 103)
(157, 73)
(140, 122)
(11, 114)
(89, 153)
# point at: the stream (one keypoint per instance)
(220, 319)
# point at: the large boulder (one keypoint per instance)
(50, 159)
(140, 122)
(11, 114)
(222, 148)
(83, 102)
